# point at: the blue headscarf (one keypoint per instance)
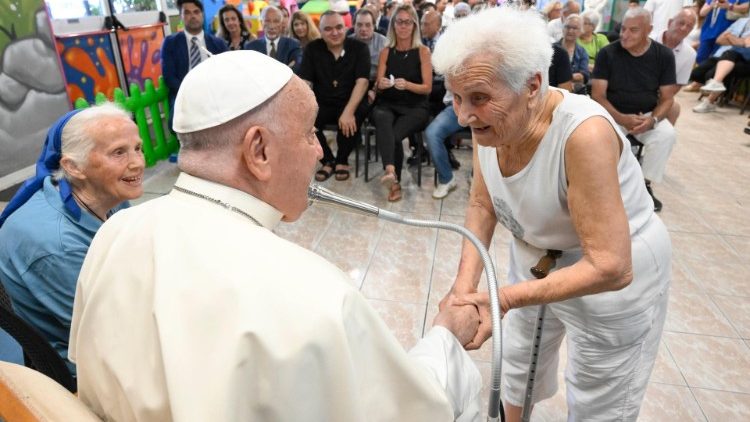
(48, 162)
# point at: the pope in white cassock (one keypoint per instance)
(190, 308)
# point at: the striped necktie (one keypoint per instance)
(273, 49)
(195, 54)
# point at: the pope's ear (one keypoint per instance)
(255, 147)
(71, 168)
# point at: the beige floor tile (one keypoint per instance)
(160, 178)
(706, 248)
(696, 313)
(741, 244)
(683, 281)
(722, 406)
(665, 369)
(679, 217)
(309, 229)
(664, 402)
(146, 197)
(349, 243)
(400, 268)
(737, 309)
(711, 362)
(406, 320)
(721, 277)
(727, 216)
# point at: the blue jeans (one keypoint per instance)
(444, 125)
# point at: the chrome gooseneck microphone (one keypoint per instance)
(320, 195)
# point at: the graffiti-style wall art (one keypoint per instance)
(140, 50)
(88, 65)
(32, 90)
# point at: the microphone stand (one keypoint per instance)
(320, 195)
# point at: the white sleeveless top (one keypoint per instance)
(533, 203)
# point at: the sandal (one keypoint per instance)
(342, 174)
(388, 180)
(395, 193)
(322, 175)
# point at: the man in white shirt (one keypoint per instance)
(555, 26)
(190, 308)
(662, 12)
(674, 37)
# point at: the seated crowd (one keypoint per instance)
(380, 71)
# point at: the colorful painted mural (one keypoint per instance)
(32, 90)
(88, 65)
(140, 49)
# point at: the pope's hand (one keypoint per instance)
(461, 320)
(481, 301)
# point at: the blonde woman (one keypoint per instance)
(302, 28)
(404, 81)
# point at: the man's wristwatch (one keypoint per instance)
(656, 120)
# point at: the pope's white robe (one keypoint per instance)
(188, 311)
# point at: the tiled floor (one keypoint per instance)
(703, 368)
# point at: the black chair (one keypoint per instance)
(369, 130)
(38, 353)
(636, 146)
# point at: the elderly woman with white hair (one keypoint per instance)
(590, 40)
(90, 166)
(556, 171)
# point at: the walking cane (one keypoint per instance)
(540, 270)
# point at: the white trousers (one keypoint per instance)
(612, 339)
(657, 146)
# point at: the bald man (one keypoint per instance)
(555, 26)
(678, 28)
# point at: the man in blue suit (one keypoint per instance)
(284, 49)
(183, 51)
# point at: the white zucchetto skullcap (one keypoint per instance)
(225, 86)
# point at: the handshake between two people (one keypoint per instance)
(467, 315)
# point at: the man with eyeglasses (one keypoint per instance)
(284, 49)
(337, 69)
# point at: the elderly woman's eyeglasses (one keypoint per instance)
(404, 22)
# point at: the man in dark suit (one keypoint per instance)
(284, 49)
(183, 51)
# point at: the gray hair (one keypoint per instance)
(78, 135)
(518, 39)
(574, 16)
(592, 16)
(265, 10)
(637, 12)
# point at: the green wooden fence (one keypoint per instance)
(138, 102)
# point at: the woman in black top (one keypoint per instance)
(232, 28)
(404, 81)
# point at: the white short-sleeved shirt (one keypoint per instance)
(684, 58)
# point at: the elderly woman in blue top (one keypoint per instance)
(579, 58)
(91, 164)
